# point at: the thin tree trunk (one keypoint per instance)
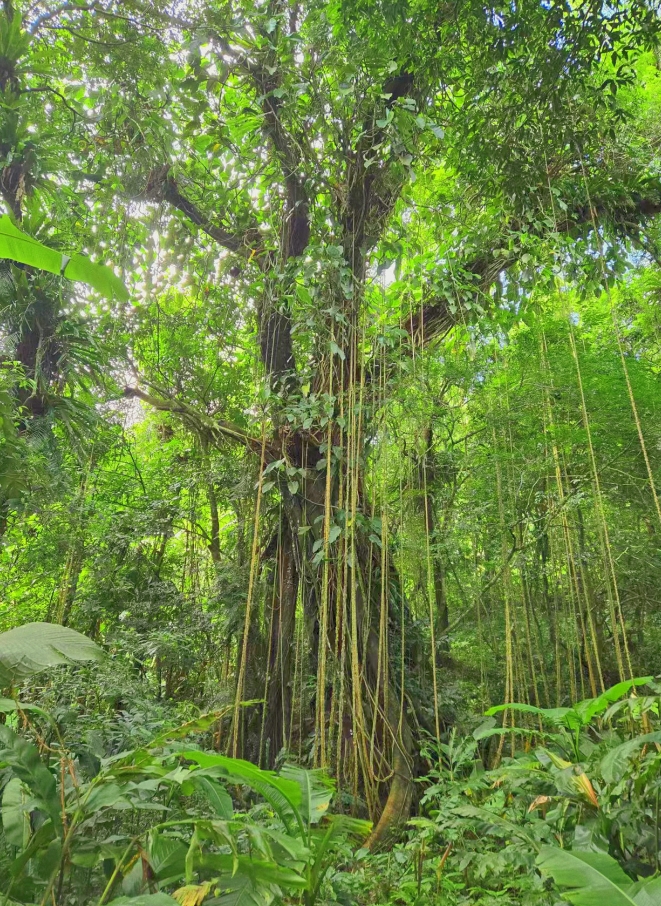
(282, 623)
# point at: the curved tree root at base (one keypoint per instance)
(398, 803)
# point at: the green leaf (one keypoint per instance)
(145, 899)
(34, 647)
(582, 712)
(593, 706)
(197, 725)
(98, 276)
(217, 796)
(335, 349)
(593, 879)
(23, 759)
(317, 790)
(282, 794)
(494, 820)
(647, 893)
(40, 841)
(241, 891)
(49, 859)
(615, 763)
(167, 857)
(258, 870)
(15, 816)
(556, 716)
(9, 706)
(18, 246)
(103, 796)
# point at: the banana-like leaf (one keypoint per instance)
(559, 717)
(15, 813)
(595, 879)
(241, 891)
(34, 647)
(23, 759)
(317, 790)
(8, 706)
(259, 871)
(282, 794)
(614, 763)
(216, 795)
(18, 246)
(197, 725)
(145, 899)
(493, 820)
(582, 712)
(167, 857)
(592, 706)
(647, 892)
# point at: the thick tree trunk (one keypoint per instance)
(393, 750)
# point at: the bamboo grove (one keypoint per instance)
(373, 443)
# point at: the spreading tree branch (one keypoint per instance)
(162, 186)
(438, 316)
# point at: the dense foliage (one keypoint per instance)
(329, 435)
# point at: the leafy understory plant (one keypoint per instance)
(161, 819)
(596, 879)
(570, 721)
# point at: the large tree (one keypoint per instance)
(293, 143)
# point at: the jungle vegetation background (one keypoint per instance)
(371, 440)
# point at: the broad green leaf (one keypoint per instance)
(167, 857)
(592, 879)
(34, 647)
(15, 817)
(258, 870)
(582, 712)
(98, 276)
(49, 859)
(357, 828)
(104, 795)
(317, 790)
(647, 893)
(145, 899)
(18, 246)
(615, 762)
(293, 846)
(217, 796)
(556, 716)
(590, 707)
(23, 759)
(282, 794)
(40, 841)
(241, 891)
(197, 725)
(9, 706)
(494, 820)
